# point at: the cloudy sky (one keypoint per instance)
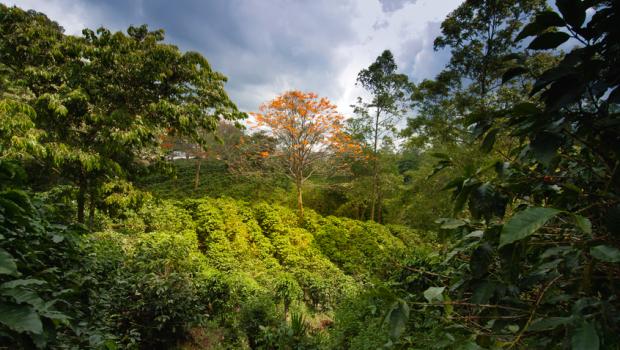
(268, 46)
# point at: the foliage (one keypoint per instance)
(97, 122)
(306, 128)
(39, 269)
(207, 252)
(540, 220)
(376, 119)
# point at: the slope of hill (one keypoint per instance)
(205, 268)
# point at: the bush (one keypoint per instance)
(39, 272)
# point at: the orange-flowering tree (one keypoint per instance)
(308, 130)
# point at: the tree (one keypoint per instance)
(378, 117)
(103, 98)
(542, 232)
(307, 129)
(479, 34)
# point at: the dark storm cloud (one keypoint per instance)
(265, 47)
(255, 43)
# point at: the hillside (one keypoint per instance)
(231, 260)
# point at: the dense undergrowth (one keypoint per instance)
(211, 273)
(237, 270)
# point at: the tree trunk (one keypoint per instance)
(91, 210)
(81, 197)
(379, 208)
(286, 307)
(300, 203)
(375, 168)
(197, 177)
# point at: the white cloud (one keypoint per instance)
(266, 47)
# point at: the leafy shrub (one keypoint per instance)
(288, 335)
(166, 216)
(150, 295)
(39, 263)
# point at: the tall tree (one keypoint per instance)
(377, 117)
(103, 98)
(307, 128)
(552, 203)
(479, 34)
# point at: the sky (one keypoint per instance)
(266, 47)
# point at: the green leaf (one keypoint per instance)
(24, 296)
(489, 141)
(544, 20)
(544, 146)
(450, 224)
(7, 263)
(605, 253)
(550, 323)
(585, 338)
(463, 195)
(525, 223)
(573, 12)
(483, 292)
(549, 40)
(583, 223)
(529, 30)
(470, 345)
(513, 72)
(525, 108)
(448, 307)
(548, 19)
(20, 318)
(434, 294)
(20, 282)
(398, 319)
(480, 260)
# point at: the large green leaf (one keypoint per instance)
(434, 294)
(573, 12)
(513, 72)
(585, 338)
(24, 296)
(549, 40)
(550, 323)
(20, 318)
(7, 263)
(605, 253)
(525, 223)
(544, 20)
(483, 292)
(398, 318)
(583, 223)
(544, 146)
(22, 283)
(489, 141)
(548, 19)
